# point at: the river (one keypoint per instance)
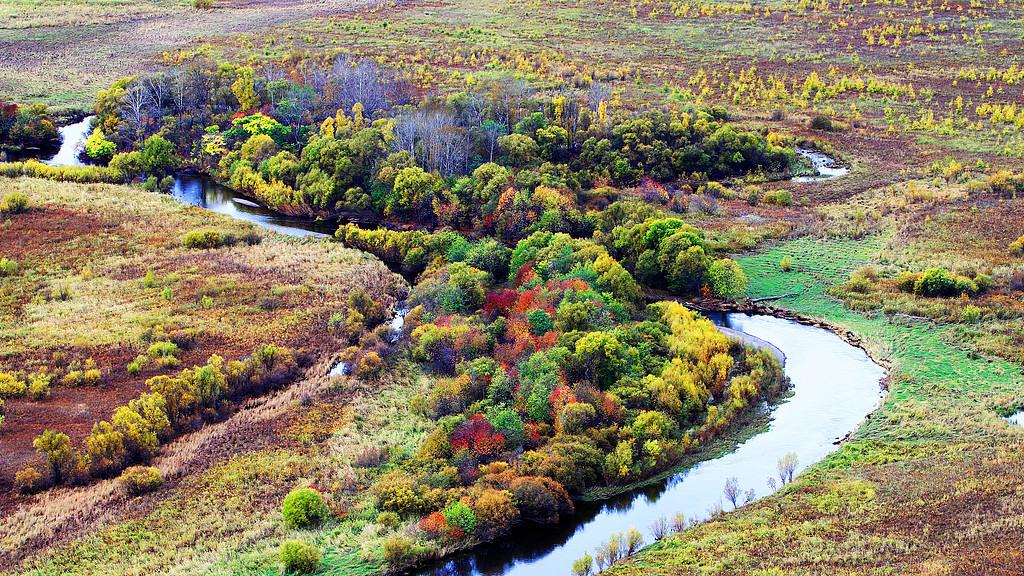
(835, 385)
(826, 166)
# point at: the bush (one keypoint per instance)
(8, 267)
(141, 479)
(299, 557)
(1017, 247)
(389, 520)
(460, 519)
(206, 239)
(824, 123)
(14, 203)
(779, 198)
(11, 386)
(304, 507)
(786, 264)
(939, 282)
(202, 4)
(970, 314)
(28, 480)
(400, 551)
(727, 279)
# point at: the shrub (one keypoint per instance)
(541, 499)
(970, 314)
(207, 238)
(786, 264)
(141, 479)
(401, 551)
(540, 322)
(824, 123)
(11, 386)
(202, 4)
(938, 282)
(92, 377)
(779, 198)
(727, 279)
(8, 267)
(460, 519)
(28, 480)
(299, 557)
(906, 281)
(304, 507)
(39, 385)
(1017, 247)
(98, 147)
(14, 203)
(496, 512)
(389, 520)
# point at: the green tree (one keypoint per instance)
(600, 356)
(98, 147)
(157, 155)
(727, 279)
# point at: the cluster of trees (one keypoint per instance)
(134, 432)
(939, 282)
(323, 138)
(554, 378)
(27, 127)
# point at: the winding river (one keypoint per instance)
(835, 385)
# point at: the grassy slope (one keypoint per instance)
(99, 241)
(929, 484)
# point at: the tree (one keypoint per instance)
(599, 356)
(98, 148)
(414, 189)
(244, 88)
(584, 566)
(56, 447)
(157, 155)
(786, 467)
(727, 279)
(732, 491)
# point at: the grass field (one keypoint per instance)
(102, 276)
(929, 484)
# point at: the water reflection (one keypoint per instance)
(205, 193)
(835, 385)
(72, 141)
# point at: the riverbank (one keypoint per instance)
(883, 500)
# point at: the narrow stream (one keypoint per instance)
(72, 140)
(835, 385)
(205, 193)
(1017, 418)
(825, 165)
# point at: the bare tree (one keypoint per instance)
(787, 467)
(678, 522)
(134, 108)
(156, 87)
(660, 528)
(732, 491)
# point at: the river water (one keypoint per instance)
(72, 141)
(835, 385)
(825, 165)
